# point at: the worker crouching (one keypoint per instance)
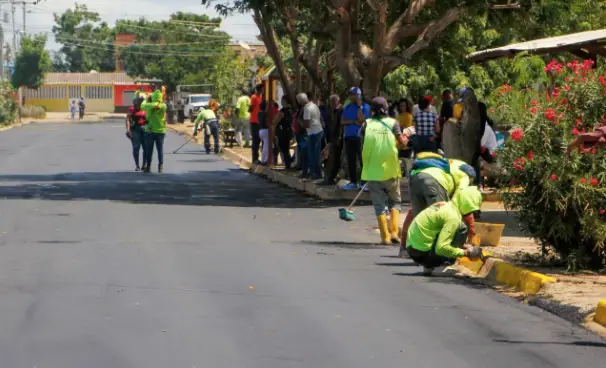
(437, 235)
(381, 168)
(210, 125)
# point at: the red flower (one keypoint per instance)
(567, 87)
(505, 89)
(550, 114)
(534, 110)
(587, 64)
(517, 134)
(519, 164)
(602, 80)
(554, 65)
(554, 177)
(579, 122)
(530, 155)
(594, 151)
(556, 92)
(602, 212)
(534, 102)
(575, 131)
(583, 180)
(564, 102)
(594, 182)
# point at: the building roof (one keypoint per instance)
(88, 78)
(584, 44)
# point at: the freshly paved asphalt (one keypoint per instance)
(207, 266)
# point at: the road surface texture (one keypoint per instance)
(207, 266)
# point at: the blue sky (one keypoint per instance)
(240, 27)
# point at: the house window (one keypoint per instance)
(98, 93)
(46, 93)
(75, 91)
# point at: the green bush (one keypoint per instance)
(8, 105)
(561, 199)
(33, 111)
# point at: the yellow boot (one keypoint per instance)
(394, 226)
(385, 235)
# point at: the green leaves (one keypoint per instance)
(32, 63)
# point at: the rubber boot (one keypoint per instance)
(384, 230)
(404, 236)
(394, 226)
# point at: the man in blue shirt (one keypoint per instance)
(354, 115)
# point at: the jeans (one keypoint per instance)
(138, 141)
(264, 135)
(73, 114)
(302, 153)
(314, 154)
(353, 148)
(284, 138)
(256, 141)
(158, 140)
(211, 127)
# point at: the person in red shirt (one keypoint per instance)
(136, 120)
(255, 102)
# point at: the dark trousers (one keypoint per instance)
(431, 259)
(214, 132)
(256, 141)
(302, 153)
(314, 149)
(353, 150)
(284, 138)
(156, 139)
(138, 141)
(334, 160)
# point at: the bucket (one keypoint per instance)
(490, 234)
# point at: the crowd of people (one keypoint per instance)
(374, 144)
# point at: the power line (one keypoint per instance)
(168, 53)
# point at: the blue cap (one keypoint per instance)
(469, 170)
(354, 91)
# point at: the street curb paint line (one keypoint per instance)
(504, 273)
(600, 313)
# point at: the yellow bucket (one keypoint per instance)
(489, 234)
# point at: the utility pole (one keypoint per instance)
(24, 24)
(1, 46)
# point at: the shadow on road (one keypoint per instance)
(591, 344)
(230, 187)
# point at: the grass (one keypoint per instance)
(33, 111)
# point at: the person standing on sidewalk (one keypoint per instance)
(437, 235)
(156, 116)
(427, 128)
(334, 139)
(264, 132)
(381, 168)
(283, 127)
(312, 121)
(242, 117)
(255, 103)
(82, 107)
(354, 115)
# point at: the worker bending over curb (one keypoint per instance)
(381, 167)
(210, 126)
(437, 235)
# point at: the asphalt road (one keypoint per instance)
(207, 266)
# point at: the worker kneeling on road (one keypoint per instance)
(434, 179)
(210, 125)
(437, 235)
(381, 167)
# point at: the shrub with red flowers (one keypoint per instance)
(560, 197)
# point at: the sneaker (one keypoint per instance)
(351, 186)
(160, 169)
(137, 168)
(427, 271)
(403, 253)
(146, 169)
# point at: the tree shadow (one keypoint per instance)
(591, 344)
(223, 187)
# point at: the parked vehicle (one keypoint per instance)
(193, 104)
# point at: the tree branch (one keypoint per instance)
(397, 31)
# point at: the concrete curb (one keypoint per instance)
(500, 272)
(16, 125)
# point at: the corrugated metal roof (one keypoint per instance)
(88, 78)
(584, 42)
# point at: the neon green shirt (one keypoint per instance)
(204, 115)
(243, 105)
(156, 113)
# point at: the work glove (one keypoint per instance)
(474, 253)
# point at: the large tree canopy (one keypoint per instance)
(32, 63)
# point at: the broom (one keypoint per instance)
(346, 214)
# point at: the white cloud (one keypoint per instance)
(40, 19)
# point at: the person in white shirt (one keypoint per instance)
(312, 122)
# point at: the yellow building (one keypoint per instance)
(98, 90)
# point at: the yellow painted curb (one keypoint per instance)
(600, 313)
(503, 273)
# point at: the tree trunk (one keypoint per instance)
(268, 34)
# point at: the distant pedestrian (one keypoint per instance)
(73, 108)
(264, 132)
(283, 128)
(426, 127)
(312, 121)
(255, 104)
(82, 107)
(136, 122)
(156, 116)
(241, 119)
(354, 115)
